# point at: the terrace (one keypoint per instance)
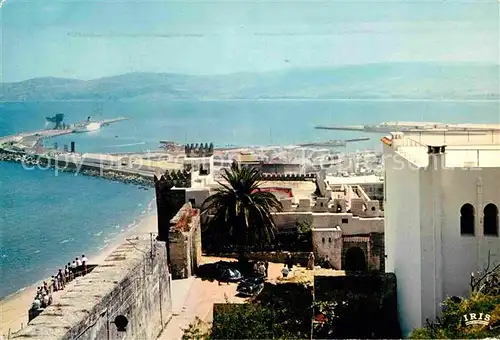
(461, 150)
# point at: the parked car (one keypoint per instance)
(219, 271)
(251, 286)
(226, 274)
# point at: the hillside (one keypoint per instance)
(374, 81)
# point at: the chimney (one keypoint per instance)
(397, 139)
(436, 156)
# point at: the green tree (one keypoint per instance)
(246, 321)
(485, 299)
(242, 213)
(451, 324)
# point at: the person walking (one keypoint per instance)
(73, 268)
(289, 261)
(285, 271)
(62, 278)
(310, 261)
(262, 269)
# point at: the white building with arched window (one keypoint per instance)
(442, 196)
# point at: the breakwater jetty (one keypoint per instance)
(26, 148)
(64, 164)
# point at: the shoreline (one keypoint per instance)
(14, 307)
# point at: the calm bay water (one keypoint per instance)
(45, 220)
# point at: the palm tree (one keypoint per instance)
(242, 213)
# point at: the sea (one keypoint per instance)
(49, 218)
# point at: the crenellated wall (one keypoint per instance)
(199, 150)
(287, 177)
(337, 200)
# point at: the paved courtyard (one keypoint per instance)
(194, 297)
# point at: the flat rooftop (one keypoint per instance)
(476, 150)
(369, 179)
(300, 189)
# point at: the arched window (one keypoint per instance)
(467, 219)
(490, 220)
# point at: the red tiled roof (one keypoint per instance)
(386, 141)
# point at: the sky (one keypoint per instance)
(92, 39)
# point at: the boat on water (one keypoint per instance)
(86, 127)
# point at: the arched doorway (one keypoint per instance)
(355, 259)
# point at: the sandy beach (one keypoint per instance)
(14, 308)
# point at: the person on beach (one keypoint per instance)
(267, 268)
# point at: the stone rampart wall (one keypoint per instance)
(185, 242)
(133, 281)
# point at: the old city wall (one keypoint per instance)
(133, 281)
(185, 242)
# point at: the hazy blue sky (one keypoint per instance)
(90, 39)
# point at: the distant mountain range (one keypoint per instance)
(373, 81)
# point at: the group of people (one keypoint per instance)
(43, 296)
(261, 268)
(287, 268)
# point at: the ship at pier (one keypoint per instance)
(90, 125)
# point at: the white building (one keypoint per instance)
(442, 193)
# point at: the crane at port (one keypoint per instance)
(57, 120)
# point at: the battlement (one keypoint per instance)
(199, 150)
(174, 178)
(287, 177)
(351, 200)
